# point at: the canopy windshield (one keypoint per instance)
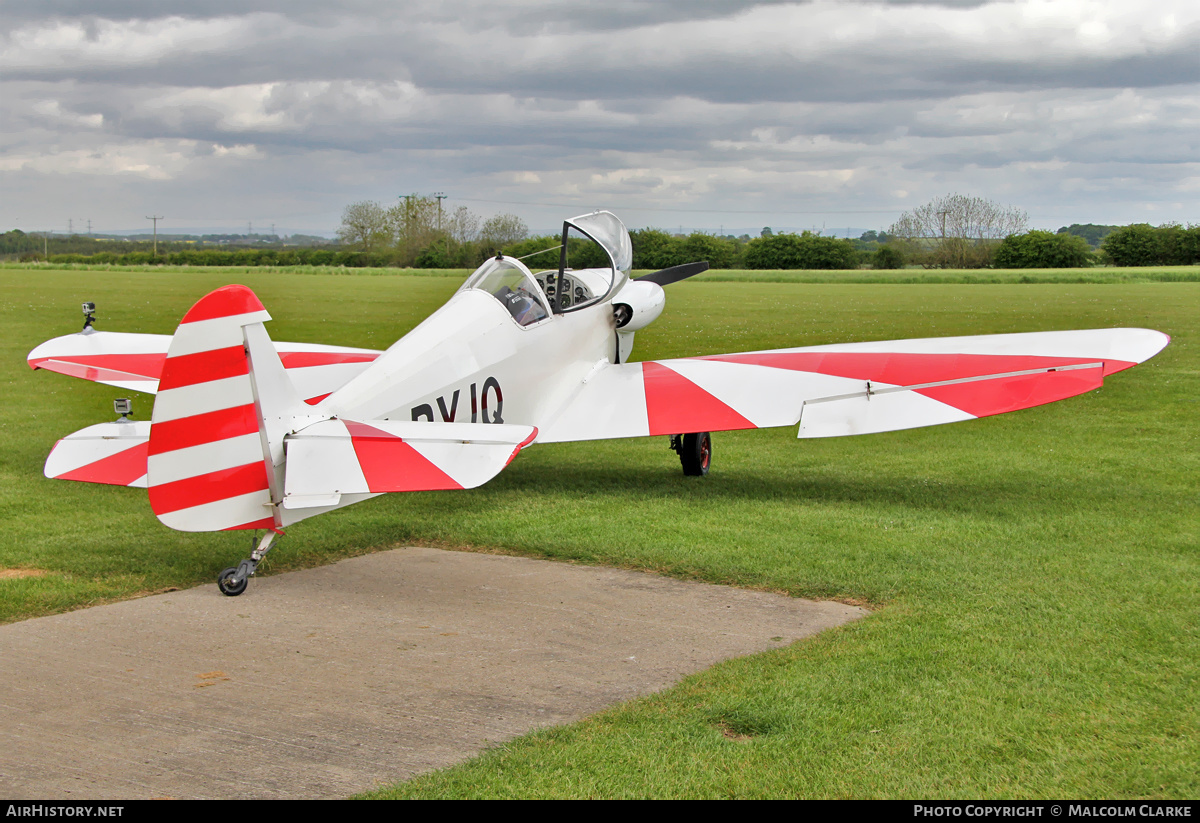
(609, 233)
(507, 279)
(594, 260)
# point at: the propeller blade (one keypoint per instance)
(674, 274)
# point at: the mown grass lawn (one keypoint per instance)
(1034, 574)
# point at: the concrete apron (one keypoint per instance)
(331, 681)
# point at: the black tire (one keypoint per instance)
(695, 453)
(227, 586)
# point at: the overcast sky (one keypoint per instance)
(695, 113)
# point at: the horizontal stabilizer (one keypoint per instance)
(109, 453)
(343, 457)
(135, 361)
(127, 361)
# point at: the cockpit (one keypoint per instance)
(593, 262)
(510, 282)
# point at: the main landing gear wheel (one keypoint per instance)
(695, 452)
(228, 583)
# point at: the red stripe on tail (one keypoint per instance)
(198, 429)
(226, 301)
(209, 488)
(204, 367)
(265, 523)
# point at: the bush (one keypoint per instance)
(655, 249)
(719, 252)
(888, 257)
(1180, 246)
(435, 256)
(1038, 249)
(1135, 245)
(800, 251)
(548, 260)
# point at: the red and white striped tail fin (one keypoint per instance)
(210, 466)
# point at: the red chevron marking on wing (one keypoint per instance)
(987, 397)
(676, 405)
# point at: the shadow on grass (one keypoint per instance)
(997, 495)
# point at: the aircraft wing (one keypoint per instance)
(135, 361)
(855, 388)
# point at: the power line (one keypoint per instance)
(686, 211)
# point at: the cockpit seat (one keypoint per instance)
(524, 309)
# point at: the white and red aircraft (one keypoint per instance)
(249, 434)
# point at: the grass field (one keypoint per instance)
(1034, 574)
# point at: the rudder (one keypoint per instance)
(209, 466)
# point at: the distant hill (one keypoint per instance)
(1090, 232)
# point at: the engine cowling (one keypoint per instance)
(638, 305)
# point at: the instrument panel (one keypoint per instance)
(573, 292)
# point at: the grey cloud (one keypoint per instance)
(447, 60)
(584, 97)
(562, 15)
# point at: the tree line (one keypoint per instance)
(18, 244)
(955, 231)
(958, 231)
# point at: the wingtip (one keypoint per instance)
(1149, 343)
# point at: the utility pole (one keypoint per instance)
(943, 214)
(70, 226)
(89, 227)
(408, 198)
(440, 197)
(155, 219)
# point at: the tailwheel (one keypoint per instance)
(695, 452)
(233, 580)
(228, 583)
